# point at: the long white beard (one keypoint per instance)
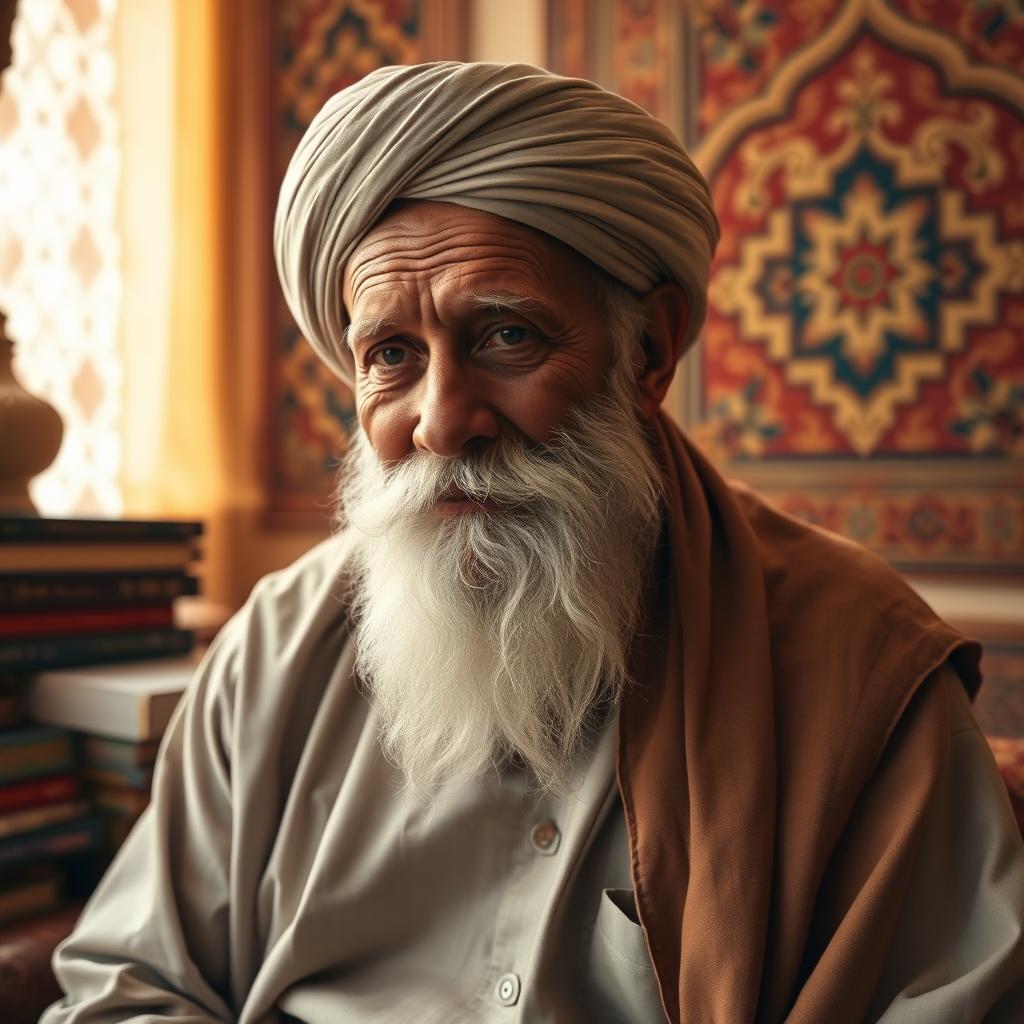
(492, 634)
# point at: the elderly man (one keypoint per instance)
(559, 726)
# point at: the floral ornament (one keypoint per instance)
(738, 423)
(735, 32)
(992, 415)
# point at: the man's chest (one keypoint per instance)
(490, 904)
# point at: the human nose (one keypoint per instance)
(454, 414)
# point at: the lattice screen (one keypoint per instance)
(60, 276)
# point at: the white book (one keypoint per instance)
(130, 700)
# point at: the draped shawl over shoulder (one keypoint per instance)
(561, 155)
(774, 768)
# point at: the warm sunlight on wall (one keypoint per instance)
(60, 274)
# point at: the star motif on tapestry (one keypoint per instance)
(861, 290)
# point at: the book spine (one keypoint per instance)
(102, 752)
(48, 758)
(38, 792)
(39, 817)
(120, 776)
(116, 800)
(16, 625)
(83, 557)
(32, 735)
(53, 841)
(30, 897)
(42, 653)
(34, 529)
(22, 592)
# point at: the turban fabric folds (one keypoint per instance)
(561, 155)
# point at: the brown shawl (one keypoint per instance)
(776, 771)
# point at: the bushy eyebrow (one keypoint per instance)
(496, 300)
(369, 327)
(500, 301)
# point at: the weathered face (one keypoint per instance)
(502, 405)
(466, 327)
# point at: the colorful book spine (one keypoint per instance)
(23, 592)
(82, 557)
(29, 890)
(118, 800)
(115, 776)
(37, 654)
(16, 625)
(102, 751)
(37, 792)
(39, 817)
(34, 753)
(32, 529)
(76, 836)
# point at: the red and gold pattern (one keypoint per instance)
(569, 23)
(865, 247)
(634, 47)
(742, 43)
(863, 360)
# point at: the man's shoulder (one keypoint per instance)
(797, 553)
(316, 576)
(811, 571)
(293, 617)
(859, 612)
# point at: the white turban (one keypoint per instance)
(561, 155)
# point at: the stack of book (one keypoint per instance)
(119, 713)
(44, 818)
(79, 592)
(87, 591)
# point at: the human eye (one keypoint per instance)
(388, 355)
(509, 336)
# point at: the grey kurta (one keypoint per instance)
(281, 874)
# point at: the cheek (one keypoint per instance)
(537, 405)
(388, 425)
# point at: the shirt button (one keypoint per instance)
(507, 989)
(545, 837)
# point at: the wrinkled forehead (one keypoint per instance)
(454, 248)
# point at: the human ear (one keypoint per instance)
(666, 318)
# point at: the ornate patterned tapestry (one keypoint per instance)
(321, 46)
(863, 359)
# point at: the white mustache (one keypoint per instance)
(514, 473)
